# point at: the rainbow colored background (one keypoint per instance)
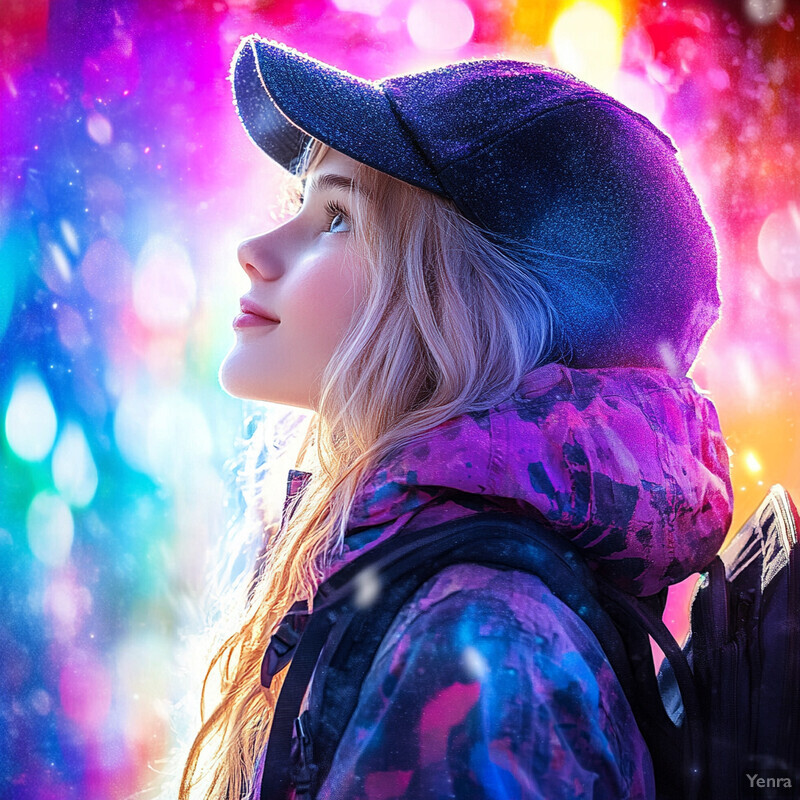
(126, 182)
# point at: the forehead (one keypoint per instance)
(335, 162)
(335, 171)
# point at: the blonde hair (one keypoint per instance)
(452, 320)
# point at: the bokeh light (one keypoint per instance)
(106, 270)
(762, 12)
(85, 691)
(178, 437)
(74, 470)
(640, 94)
(752, 462)
(779, 243)
(587, 41)
(134, 409)
(374, 8)
(30, 419)
(164, 288)
(440, 24)
(67, 603)
(99, 128)
(51, 528)
(70, 236)
(72, 331)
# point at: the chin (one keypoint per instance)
(239, 379)
(236, 380)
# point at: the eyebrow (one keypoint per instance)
(330, 181)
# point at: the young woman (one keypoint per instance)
(489, 297)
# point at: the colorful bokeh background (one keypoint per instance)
(126, 183)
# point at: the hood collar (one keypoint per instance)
(628, 463)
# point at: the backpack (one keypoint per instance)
(720, 718)
(744, 649)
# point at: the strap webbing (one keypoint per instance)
(403, 564)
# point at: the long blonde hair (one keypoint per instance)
(451, 322)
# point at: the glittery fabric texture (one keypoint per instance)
(527, 152)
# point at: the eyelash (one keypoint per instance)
(331, 207)
(334, 210)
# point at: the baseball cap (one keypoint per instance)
(531, 155)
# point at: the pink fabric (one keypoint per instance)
(486, 685)
(629, 464)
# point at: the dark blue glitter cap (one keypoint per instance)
(527, 152)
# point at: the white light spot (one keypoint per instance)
(30, 419)
(164, 286)
(587, 41)
(779, 243)
(60, 261)
(178, 438)
(762, 12)
(474, 663)
(368, 587)
(165, 435)
(440, 24)
(752, 463)
(74, 470)
(99, 128)
(137, 674)
(50, 528)
(130, 427)
(70, 236)
(374, 8)
(746, 375)
(668, 357)
(12, 90)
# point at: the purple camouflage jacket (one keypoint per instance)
(487, 686)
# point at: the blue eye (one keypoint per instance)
(336, 215)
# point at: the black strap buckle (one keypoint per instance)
(283, 643)
(304, 770)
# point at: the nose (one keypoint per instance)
(259, 258)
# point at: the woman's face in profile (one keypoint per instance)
(302, 277)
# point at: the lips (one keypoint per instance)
(254, 315)
(249, 307)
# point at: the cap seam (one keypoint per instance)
(466, 202)
(409, 134)
(289, 76)
(589, 98)
(295, 88)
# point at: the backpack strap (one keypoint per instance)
(351, 634)
(679, 754)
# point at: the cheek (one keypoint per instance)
(282, 365)
(323, 300)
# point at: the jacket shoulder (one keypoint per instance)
(485, 676)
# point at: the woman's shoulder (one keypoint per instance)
(468, 606)
(483, 676)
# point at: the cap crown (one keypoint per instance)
(527, 152)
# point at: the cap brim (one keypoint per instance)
(284, 97)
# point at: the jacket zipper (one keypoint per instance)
(305, 770)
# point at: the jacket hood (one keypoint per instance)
(628, 463)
